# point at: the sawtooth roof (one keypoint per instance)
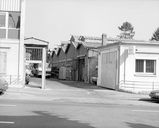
(86, 41)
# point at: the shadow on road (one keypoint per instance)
(34, 82)
(40, 119)
(139, 125)
(149, 100)
(77, 84)
(33, 86)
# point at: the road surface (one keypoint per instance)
(63, 106)
(41, 114)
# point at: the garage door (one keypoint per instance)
(109, 70)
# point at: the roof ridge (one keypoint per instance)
(36, 39)
(92, 37)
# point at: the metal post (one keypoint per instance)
(10, 79)
(44, 68)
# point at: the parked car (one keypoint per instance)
(3, 85)
(154, 94)
(38, 70)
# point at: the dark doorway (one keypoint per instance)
(81, 68)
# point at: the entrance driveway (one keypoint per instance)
(62, 84)
(72, 91)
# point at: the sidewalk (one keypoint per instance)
(70, 91)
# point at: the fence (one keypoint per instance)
(11, 79)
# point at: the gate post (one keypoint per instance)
(43, 68)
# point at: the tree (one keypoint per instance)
(155, 36)
(127, 31)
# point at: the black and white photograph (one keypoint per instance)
(79, 63)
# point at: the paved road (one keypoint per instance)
(62, 105)
(44, 114)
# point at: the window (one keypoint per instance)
(139, 65)
(2, 20)
(150, 66)
(14, 25)
(2, 33)
(145, 66)
(10, 25)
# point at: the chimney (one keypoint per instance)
(104, 39)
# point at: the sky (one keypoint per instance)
(56, 20)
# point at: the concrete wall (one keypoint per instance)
(11, 51)
(14, 48)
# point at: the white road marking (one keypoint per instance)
(6, 122)
(146, 111)
(7, 105)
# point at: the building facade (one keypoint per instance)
(12, 17)
(129, 65)
(77, 58)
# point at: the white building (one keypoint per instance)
(12, 17)
(129, 65)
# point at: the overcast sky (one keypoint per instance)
(56, 20)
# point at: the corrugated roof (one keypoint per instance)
(65, 45)
(92, 38)
(91, 44)
(86, 41)
(75, 38)
(57, 50)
